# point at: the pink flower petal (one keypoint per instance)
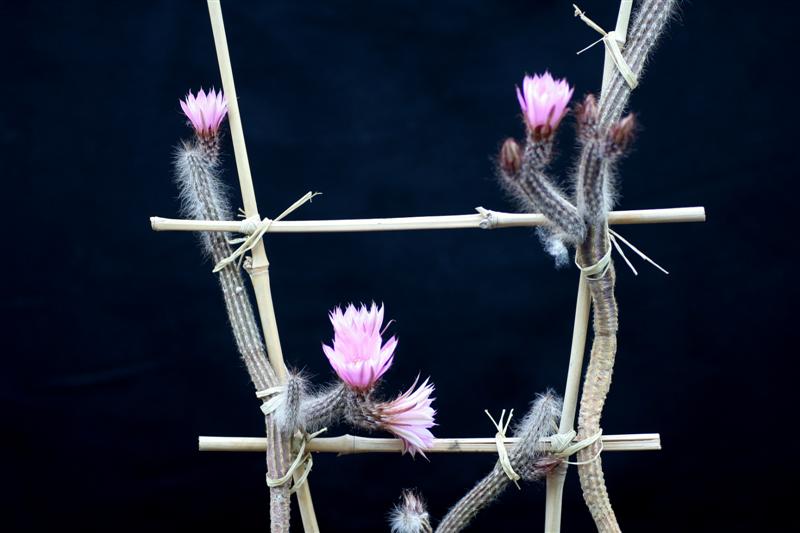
(358, 354)
(543, 100)
(410, 417)
(205, 111)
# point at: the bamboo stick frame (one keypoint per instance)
(483, 219)
(352, 444)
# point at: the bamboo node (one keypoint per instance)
(489, 218)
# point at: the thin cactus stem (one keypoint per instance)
(593, 185)
(324, 409)
(597, 382)
(196, 166)
(526, 459)
(648, 25)
(481, 495)
(544, 195)
(591, 193)
(302, 411)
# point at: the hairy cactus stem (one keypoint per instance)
(526, 459)
(203, 198)
(648, 25)
(603, 141)
(544, 195)
(301, 411)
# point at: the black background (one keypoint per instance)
(116, 350)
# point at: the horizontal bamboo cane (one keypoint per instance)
(350, 444)
(482, 220)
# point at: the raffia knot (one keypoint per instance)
(499, 439)
(562, 446)
(612, 41)
(600, 268)
(256, 229)
(303, 459)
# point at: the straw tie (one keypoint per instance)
(612, 40)
(257, 229)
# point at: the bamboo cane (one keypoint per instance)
(555, 480)
(489, 220)
(259, 271)
(350, 444)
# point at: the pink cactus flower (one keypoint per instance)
(205, 111)
(359, 356)
(410, 417)
(544, 103)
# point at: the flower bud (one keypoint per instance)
(621, 134)
(586, 113)
(510, 157)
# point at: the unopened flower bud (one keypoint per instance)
(586, 113)
(545, 465)
(621, 134)
(510, 157)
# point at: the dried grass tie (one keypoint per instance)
(258, 229)
(612, 42)
(303, 459)
(499, 439)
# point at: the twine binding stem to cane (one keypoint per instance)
(598, 270)
(302, 459)
(562, 446)
(499, 439)
(257, 230)
(270, 405)
(612, 40)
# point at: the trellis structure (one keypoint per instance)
(258, 269)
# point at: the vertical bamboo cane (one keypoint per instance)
(555, 481)
(259, 272)
(621, 31)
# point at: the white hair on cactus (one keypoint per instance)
(289, 415)
(410, 516)
(202, 194)
(554, 246)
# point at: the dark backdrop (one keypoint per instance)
(116, 352)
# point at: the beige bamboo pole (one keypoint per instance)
(490, 220)
(259, 271)
(555, 480)
(350, 444)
